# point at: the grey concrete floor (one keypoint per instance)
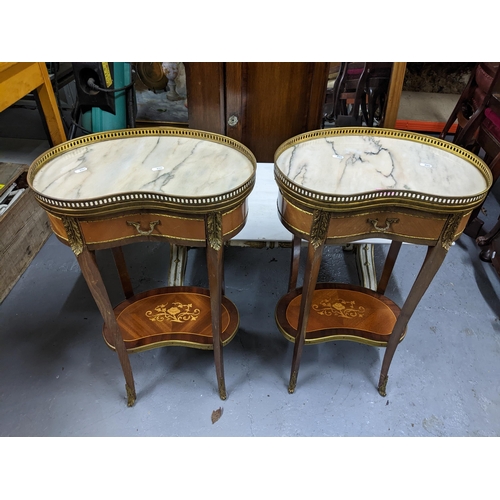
(60, 379)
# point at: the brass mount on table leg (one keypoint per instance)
(383, 385)
(131, 396)
(222, 390)
(293, 382)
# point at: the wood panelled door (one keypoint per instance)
(259, 104)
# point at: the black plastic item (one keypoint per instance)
(348, 121)
(90, 97)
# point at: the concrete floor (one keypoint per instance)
(60, 379)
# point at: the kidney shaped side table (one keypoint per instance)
(183, 186)
(347, 184)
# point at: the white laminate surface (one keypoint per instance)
(179, 166)
(263, 223)
(360, 164)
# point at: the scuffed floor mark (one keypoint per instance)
(483, 401)
(216, 414)
(433, 425)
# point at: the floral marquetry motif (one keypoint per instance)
(172, 316)
(339, 311)
(339, 307)
(177, 312)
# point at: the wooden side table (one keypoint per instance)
(340, 185)
(20, 78)
(184, 186)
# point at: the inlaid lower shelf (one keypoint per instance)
(340, 312)
(171, 316)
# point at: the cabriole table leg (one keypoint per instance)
(90, 271)
(433, 260)
(294, 264)
(314, 254)
(215, 250)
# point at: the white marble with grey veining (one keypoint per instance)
(179, 166)
(359, 164)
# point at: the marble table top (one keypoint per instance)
(169, 165)
(353, 164)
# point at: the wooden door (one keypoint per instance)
(264, 104)
(261, 104)
(206, 96)
(273, 102)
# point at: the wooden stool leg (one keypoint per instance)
(390, 260)
(314, 255)
(50, 110)
(294, 265)
(90, 271)
(485, 242)
(215, 250)
(178, 260)
(121, 265)
(365, 264)
(433, 260)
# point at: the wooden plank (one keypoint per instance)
(17, 81)
(49, 107)
(423, 126)
(9, 172)
(4, 66)
(394, 95)
(24, 228)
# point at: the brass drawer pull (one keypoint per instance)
(388, 223)
(137, 225)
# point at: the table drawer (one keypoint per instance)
(140, 225)
(389, 223)
(408, 224)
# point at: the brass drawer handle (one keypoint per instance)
(137, 225)
(388, 223)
